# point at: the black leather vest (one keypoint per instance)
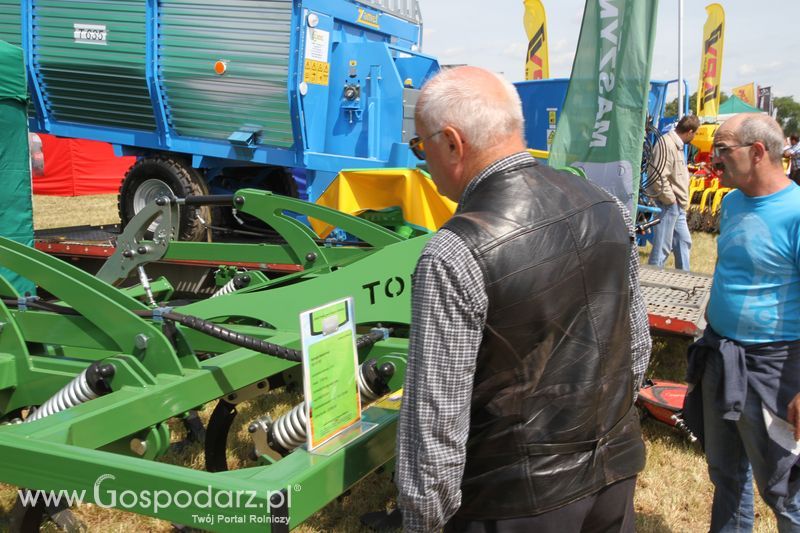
(551, 417)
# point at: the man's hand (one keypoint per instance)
(794, 415)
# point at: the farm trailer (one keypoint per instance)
(215, 96)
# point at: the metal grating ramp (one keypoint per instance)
(80, 234)
(676, 300)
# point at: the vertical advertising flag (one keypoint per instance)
(765, 99)
(746, 93)
(601, 128)
(536, 61)
(711, 62)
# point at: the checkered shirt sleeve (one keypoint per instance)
(641, 343)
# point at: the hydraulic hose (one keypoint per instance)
(214, 330)
(232, 337)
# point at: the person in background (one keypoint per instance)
(671, 192)
(744, 373)
(529, 333)
(792, 152)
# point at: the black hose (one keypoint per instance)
(245, 341)
(42, 306)
(253, 343)
(652, 166)
(369, 339)
(213, 330)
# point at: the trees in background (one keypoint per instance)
(788, 111)
(672, 107)
(788, 114)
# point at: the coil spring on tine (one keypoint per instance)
(73, 393)
(290, 429)
(226, 289)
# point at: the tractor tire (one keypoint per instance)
(274, 179)
(156, 176)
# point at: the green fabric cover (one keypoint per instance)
(16, 204)
(734, 104)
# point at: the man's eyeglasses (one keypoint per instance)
(718, 149)
(417, 145)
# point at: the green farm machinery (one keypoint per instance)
(91, 373)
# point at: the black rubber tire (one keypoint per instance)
(180, 178)
(275, 179)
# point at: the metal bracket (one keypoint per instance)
(246, 136)
(259, 432)
(254, 390)
(132, 248)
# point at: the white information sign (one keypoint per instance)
(317, 42)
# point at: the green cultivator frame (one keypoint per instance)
(90, 377)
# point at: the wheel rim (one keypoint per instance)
(149, 191)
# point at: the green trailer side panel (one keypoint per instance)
(252, 38)
(16, 215)
(90, 83)
(11, 22)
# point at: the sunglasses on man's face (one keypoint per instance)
(718, 150)
(417, 145)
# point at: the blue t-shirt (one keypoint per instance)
(755, 296)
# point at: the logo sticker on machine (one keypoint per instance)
(90, 33)
(317, 68)
(368, 18)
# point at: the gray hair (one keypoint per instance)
(764, 129)
(447, 100)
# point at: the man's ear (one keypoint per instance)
(759, 151)
(455, 142)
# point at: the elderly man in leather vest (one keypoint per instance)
(528, 338)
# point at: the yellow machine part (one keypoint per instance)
(704, 137)
(716, 204)
(541, 155)
(356, 191)
(706, 200)
(412, 190)
(696, 186)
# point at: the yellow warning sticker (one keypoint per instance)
(551, 116)
(316, 72)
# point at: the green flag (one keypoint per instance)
(601, 129)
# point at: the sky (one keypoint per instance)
(762, 41)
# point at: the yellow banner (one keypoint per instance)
(537, 65)
(746, 93)
(711, 64)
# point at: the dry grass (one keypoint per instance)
(673, 493)
(96, 210)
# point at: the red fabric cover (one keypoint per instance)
(76, 167)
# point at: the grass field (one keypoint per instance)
(673, 493)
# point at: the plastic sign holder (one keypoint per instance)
(330, 369)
